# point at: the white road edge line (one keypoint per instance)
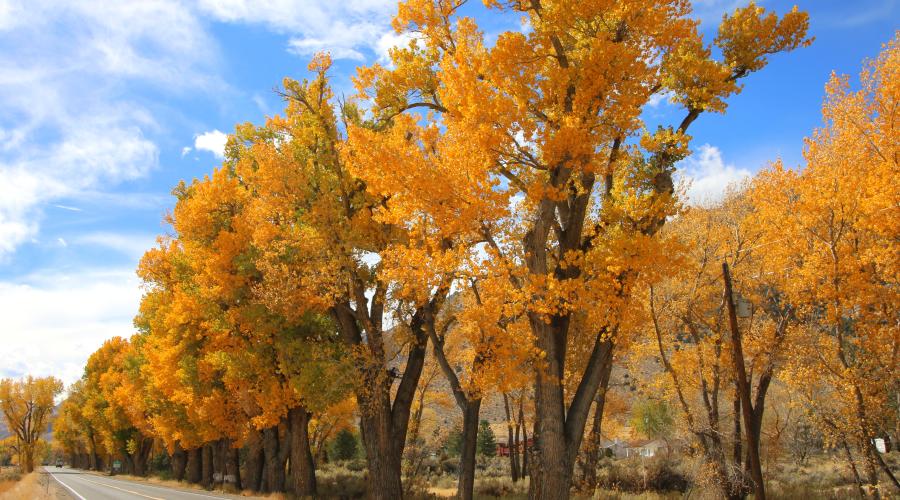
(163, 489)
(66, 485)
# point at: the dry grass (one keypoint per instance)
(183, 485)
(9, 477)
(34, 486)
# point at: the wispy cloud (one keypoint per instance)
(131, 245)
(858, 14)
(66, 207)
(68, 121)
(347, 28)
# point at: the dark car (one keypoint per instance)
(59, 462)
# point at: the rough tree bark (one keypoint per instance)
(194, 465)
(303, 470)
(383, 422)
(232, 478)
(255, 463)
(206, 465)
(179, 462)
(276, 446)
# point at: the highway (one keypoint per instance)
(86, 486)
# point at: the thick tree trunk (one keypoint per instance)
(466, 486)
(218, 453)
(383, 424)
(232, 478)
(559, 429)
(551, 474)
(195, 465)
(206, 466)
(383, 464)
(141, 456)
(303, 471)
(255, 463)
(179, 462)
(277, 447)
(129, 463)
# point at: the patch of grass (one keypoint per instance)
(500, 487)
(339, 481)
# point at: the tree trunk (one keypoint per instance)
(853, 469)
(596, 439)
(179, 462)
(383, 424)
(559, 429)
(207, 465)
(218, 453)
(141, 456)
(303, 471)
(232, 478)
(277, 447)
(551, 471)
(743, 386)
(466, 487)
(255, 463)
(510, 442)
(195, 465)
(383, 464)
(526, 452)
(737, 453)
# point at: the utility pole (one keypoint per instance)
(743, 386)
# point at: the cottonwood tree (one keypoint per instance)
(326, 245)
(553, 115)
(834, 255)
(689, 331)
(27, 406)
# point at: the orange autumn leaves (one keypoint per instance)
(518, 176)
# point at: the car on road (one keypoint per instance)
(59, 462)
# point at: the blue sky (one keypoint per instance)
(105, 105)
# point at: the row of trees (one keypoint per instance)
(815, 258)
(503, 211)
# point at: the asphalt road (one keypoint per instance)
(85, 486)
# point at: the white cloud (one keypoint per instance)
(707, 175)
(53, 321)
(68, 124)
(660, 98)
(344, 28)
(131, 245)
(62, 242)
(185, 150)
(390, 40)
(212, 141)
